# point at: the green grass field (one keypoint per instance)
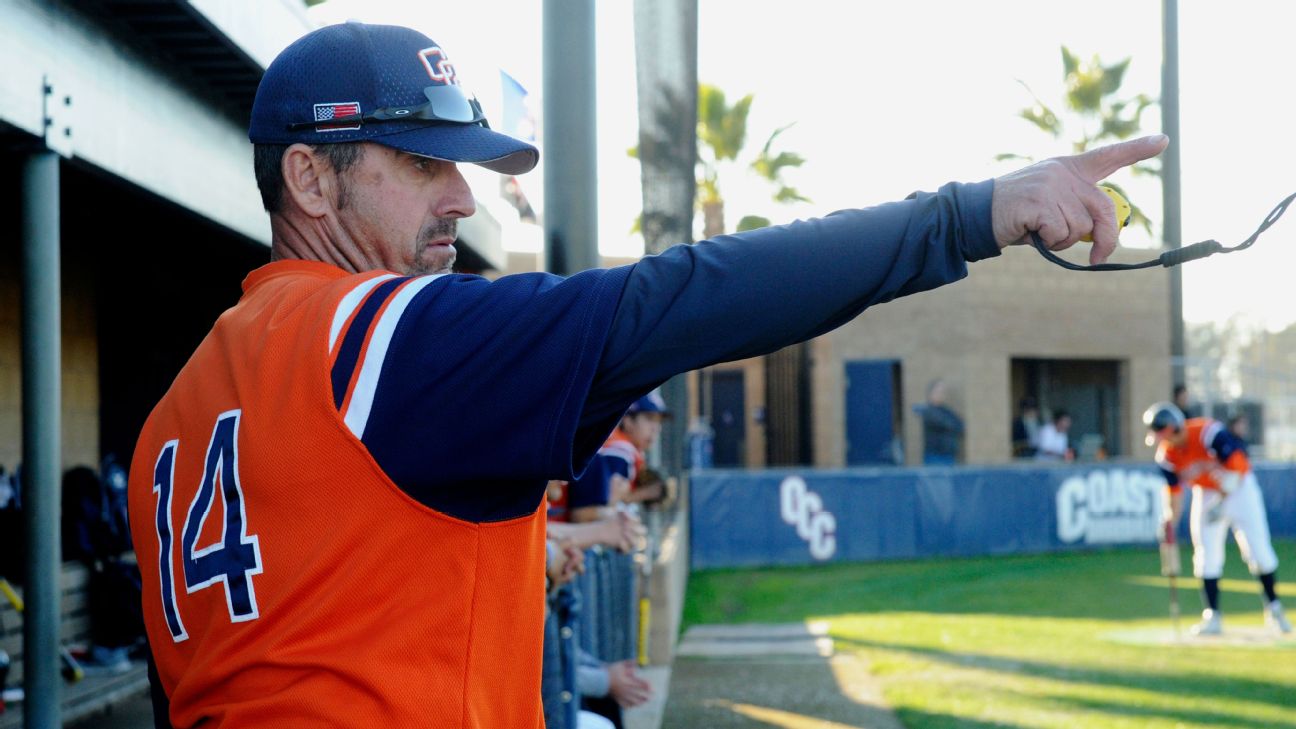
(1024, 641)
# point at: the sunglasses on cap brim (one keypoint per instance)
(444, 104)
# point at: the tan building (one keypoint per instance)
(1096, 344)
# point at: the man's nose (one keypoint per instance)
(456, 199)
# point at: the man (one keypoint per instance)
(614, 473)
(942, 427)
(1240, 426)
(1202, 452)
(380, 439)
(1182, 401)
(1054, 439)
(1026, 429)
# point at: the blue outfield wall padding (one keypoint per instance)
(792, 517)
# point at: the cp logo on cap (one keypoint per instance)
(438, 66)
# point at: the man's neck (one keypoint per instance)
(293, 238)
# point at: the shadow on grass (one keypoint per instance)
(765, 691)
(916, 719)
(1112, 584)
(1198, 686)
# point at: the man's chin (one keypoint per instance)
(435, 259)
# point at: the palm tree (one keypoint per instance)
(1091, 90)
(721, 136)
(770, 166)
(722, 132)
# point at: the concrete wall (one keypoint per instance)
(967, 333)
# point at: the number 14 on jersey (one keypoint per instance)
(230, 562)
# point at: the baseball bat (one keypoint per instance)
(1170, 568)
(1174, 607)
(72, 671)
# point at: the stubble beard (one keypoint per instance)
(438, 228)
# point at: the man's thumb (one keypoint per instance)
(1098, 164)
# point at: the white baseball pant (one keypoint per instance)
(1243, 511)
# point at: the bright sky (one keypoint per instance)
(893, 97)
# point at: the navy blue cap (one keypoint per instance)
(650, 403)
(354, 69)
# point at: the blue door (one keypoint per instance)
(871, 412)
(728, 418)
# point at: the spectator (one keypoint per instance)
(639, 430)
(1181, 401)
(942, 427)
(1239, 426)
(1026, 429)
(1053, 439)
(614, 476)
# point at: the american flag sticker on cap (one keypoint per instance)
(329, 112)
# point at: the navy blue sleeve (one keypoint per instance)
(752, 293)
(1172, 478)
(1226, 444)
(593, 487)
(482, 381)
(470, 382)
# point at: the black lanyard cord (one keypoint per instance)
(1174, 256)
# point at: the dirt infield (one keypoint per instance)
(758, 676)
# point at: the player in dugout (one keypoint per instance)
(338, 504)
(617, 474)
(1225, 495)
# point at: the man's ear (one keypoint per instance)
(309, 182)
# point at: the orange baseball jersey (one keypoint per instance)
(1208, 445)
(325, 538)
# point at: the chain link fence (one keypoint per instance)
(1264, 397)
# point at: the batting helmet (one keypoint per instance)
(1160, 416)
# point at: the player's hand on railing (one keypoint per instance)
(623, 531)
(574, 564)
(626, 686)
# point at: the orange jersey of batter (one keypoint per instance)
(1195, 461)
(299, 586)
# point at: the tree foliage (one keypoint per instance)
(722, 137)
(1091, 98)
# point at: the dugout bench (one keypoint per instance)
(95, 693)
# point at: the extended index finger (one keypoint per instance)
(1098, 164)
